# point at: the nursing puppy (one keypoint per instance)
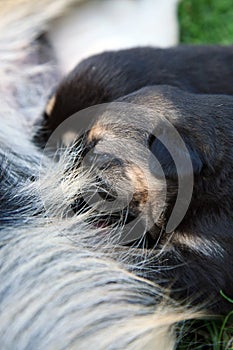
(195, 258)
(55, 291)
(105, 77)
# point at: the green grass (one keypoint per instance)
(207, 22)
(208, 334)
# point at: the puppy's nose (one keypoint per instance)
(102, 160)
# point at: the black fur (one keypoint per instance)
(108, 76)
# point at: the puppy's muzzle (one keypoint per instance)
(112, 203)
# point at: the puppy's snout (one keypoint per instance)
(102, 160)
(106, 191)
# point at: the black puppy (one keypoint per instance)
(108, 76)
(188, 131)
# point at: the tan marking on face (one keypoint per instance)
(50, 105)
(137, 177)
(69, 137)
(98, 132)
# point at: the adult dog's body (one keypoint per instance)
(62, 285)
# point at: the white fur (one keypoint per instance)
(95, 26)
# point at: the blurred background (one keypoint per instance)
(94, 26)
(206, 21)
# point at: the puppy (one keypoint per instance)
(105, 77)
(158, 145)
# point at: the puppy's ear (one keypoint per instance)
(175, 158)
(43, 126)
(49, 106)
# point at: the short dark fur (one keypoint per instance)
(108, 76)
(205, 122)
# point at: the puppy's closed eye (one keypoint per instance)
(172, 165)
